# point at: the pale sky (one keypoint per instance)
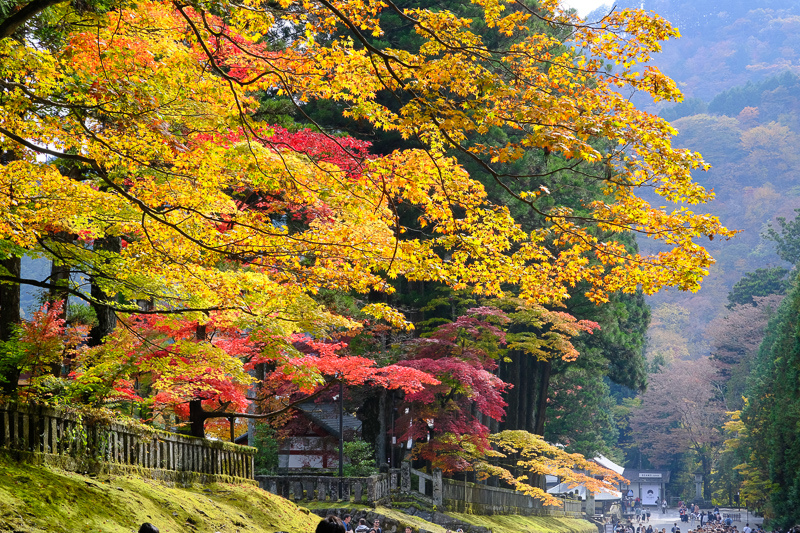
(585, 7)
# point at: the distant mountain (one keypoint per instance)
(738, 65)
(749, 134)
(724, 44)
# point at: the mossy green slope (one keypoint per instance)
(497, 523)
(528, 524)
(38, 499)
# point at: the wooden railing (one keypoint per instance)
(461, 496)
(93, 445)
(372, 490)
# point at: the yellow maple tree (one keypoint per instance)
(123, 128)
(136, 122)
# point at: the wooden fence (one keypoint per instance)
(80, 444)
(464, 497)
(431, 489)
(372, 490)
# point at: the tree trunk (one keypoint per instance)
(259, 372)
(197, 419)
(59, 277)
(705, 462)
(544, 370)
(197, 416)
(10, 317)
(381, 449)
(106, 318)
(10, 299)
(527, 399)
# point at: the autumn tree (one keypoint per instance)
(33, 346)
(681, 412)
(451, 420)
(735, 341)
(210, 380)
(134, 130)
(239, 63)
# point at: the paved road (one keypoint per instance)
(672, 517)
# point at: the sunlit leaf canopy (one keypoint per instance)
(135, 120)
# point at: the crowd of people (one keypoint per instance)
(698, 521)
(715, 526)
(329, 524)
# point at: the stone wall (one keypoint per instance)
(74, 442)
(372, 490)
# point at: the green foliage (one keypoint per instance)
(579, 414)
(50, 388)
(81, 314)
(762, 282)
(12, 358)
(689, 107)
(265, 439)
(276, 110)
(786, 238)
(361, 457)
(732, 101)
(772, 415)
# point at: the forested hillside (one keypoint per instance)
(737, 64)
(724, 44)
(748, 134)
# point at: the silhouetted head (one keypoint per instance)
(147, 527)
(330, 524)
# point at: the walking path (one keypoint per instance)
(668, 520)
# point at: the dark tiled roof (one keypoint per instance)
(632, 475)
(326, 415)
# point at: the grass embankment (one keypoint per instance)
(401, 518)
(497, 523)
(528, 524)
(37, 499)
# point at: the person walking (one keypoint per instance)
(664, 506)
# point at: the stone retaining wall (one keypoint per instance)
(372, 490)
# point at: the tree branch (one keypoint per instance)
(223, 414)
(13, 22)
